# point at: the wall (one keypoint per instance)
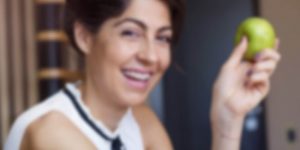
(283, 105)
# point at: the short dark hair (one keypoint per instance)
(93, 13)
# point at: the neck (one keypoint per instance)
(102, 106)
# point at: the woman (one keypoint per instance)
(127, 48)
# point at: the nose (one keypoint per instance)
(148, 54)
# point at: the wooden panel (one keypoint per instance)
(52, 35)
(3, 73)
(56, 73)
(17, 57)
(18, 88)
(51, 50)
(31, 52)
(50, 1)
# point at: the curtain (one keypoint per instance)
(18, 88)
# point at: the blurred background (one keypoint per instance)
(36, 60)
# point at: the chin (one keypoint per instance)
(131, 100)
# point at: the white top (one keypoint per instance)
(128, 129)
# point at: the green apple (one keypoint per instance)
(260, 35)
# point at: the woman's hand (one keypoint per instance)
(240, 86)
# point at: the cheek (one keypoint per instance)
(121, 51)
(165, 59)
(111, 55)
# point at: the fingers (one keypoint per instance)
(258, 77)
(265, 66)
(266, 61)
(268, 54)
(260, 82)
(238, 53)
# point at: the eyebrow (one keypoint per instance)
(141, 24)
(166, 28)
(135, 21)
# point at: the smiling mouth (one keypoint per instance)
(137, 78)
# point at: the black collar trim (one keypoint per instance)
(84, 115)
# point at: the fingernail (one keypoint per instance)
(257, 56)
(249, 73)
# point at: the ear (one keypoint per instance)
(83, 38)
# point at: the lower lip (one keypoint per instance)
(141, 85)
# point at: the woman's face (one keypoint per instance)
(130, 53)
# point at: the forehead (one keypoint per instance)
(153, 13)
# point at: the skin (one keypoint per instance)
(131, 41)
(54, 131)
(241, 85)
(135, 41)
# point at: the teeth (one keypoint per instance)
(137, 75)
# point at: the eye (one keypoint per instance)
(165, 39)
(130, 33)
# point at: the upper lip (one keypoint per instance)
(139, 70)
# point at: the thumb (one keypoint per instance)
(238, 52)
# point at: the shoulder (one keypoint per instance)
(154, 134)
(21, 123)
(40, 109)
(54, 131)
